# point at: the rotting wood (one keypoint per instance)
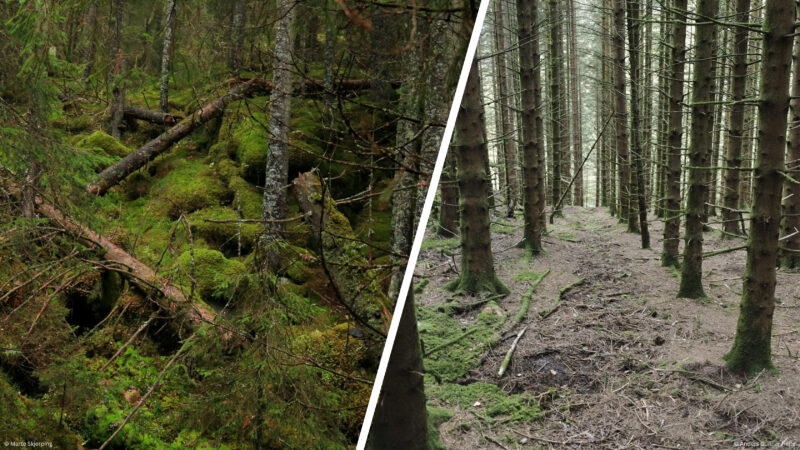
(157, 117)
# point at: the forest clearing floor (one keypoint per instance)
(619, 362)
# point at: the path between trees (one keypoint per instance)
(619, 361)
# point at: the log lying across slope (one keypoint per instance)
(117, 172)
(137, 272)
(158, 117)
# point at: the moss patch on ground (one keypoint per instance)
(213, 272)
(100, 141)
(488, 401)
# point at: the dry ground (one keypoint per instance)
(633, 366)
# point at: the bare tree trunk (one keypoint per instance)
(751, 350)
(237, 35)
(531, 143)
(91, 45)
(166, 55)
(557, 99)
(507, 131)
(637, 175)
(469, 147)
(448, 215)
(702, 113)
(117, 103)
(575, 86)
(790, 249)
(672, 184)
(277, 167)
(627, 213)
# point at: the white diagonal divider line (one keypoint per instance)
(423, 221)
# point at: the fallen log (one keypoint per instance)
(135, 271)
(117, 172)
(157, 117)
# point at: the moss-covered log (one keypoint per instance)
(339, 253)
(112, 175)
(751, 350)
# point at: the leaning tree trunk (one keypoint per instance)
(699, 150)
(531, 148)
(117, 103)
(637, 172)
(672, 183)
(166, 55)
(626, 212)
(790, 249)
(575, 97)
(277, 167)
(733, 155)
(469, 147)
(401, 416)
(751, 350)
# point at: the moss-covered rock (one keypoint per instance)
(72, 123)
(213, 272)
(223, 236)
(186, 189)
(251, 140)
(99, 140)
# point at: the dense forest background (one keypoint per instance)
(207, 206)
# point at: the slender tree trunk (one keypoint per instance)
(733, 155)
(91, 45)
(507, 130)
(556, 100)
(627, 213)
(675, 73)
(166, 55)
(531, 148)
(448, 215)
(790, 248)
(699, 150)
(575, 86)
(637, 172)
(237, 35)
(401, 416)
(117, 103)
(477, 261)
(752, 350)
(277, 167)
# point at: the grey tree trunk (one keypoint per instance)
(557, 99)
(117, 103)
(637, 151)
(508, 130)
(277, 167)
(166, 55)
(237, 35)
(575, 97)
(752, 350)
(91, 46)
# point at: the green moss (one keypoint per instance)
(494, 403)
(251, 141)
(136, 185)
(503, 227)
(213, 273)
(185, 189)
(440, 243)
(379, 225)
(295, 263)
(250, 199)
(223, 235)
(26, 419)
(436, 417)
(72, 123)
(451, 352)
(99, 140)
(526, 275)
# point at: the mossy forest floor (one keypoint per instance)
(618, 362)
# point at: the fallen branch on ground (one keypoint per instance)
(510, 353)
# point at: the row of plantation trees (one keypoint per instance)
(739, 60)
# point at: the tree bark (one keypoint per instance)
(507, 131)
(702, 116)
(237, 35)
(533, 207)
(277, 167)
(751, 350)
(627, 213)
(157, 117)
(575, 97)
(166, 55)
(469, 147)
(91, 46)
(733, 155)
(448, 186)
(790, 249)
(117, 103)
(559, 150)
(637, 152)
(401, 416)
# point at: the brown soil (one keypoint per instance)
(633, 366)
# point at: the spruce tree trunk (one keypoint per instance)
(733, 154)
(237, 35)
(448, 186)
(166, 55)
(531, 143)
(637, 172)
(277, 167)
(790, 246)
(575, 97)
(751, 350)
(401, 416)
(702, 117)
(627, 213)
(117, 103)
(556, 100)
(469, 147)
(507, 130)
(91, 46)
(672, 183)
